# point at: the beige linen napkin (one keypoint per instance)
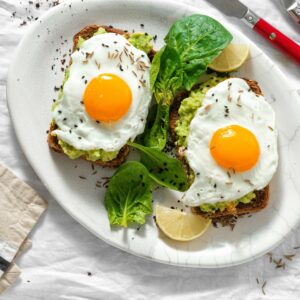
(20, 209)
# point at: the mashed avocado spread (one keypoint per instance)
(92, 155)
(189, 107)
(141, 41)
(187, 111)
(211, 208)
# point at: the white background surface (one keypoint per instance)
(63, 252)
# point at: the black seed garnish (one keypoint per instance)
(79, 137)
(23, 23)
(64, 119)
(172, 207)
(142, 55)
(37, 5)
(212, 95)
(146, 33)
(125, 30)
(82, 77)
(81, 102)
(222, 197)
(81, 121)
(75, 126)
(143, 184)
(85, 82)
(47, 131)
(142, 25)
(176, 176)
(141, 176)
(115, 42)
(70, 131)
(163, 180)
(59, 111)
(121, 68)
(198, 174)
(155, 38)
(98, 122)
(198, 194)
(215, 185)
(110, 26)
(165, 164)
(56, 88)
(54, 100)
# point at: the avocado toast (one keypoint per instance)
(229, 215)
(111, 159)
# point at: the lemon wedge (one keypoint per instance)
(231, 58)
(180, 226)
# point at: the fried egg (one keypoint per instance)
(232, 144)
(106, 97)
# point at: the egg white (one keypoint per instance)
(97, 55)
(213, 183)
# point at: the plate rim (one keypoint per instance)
(192, 9)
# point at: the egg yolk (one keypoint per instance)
(107, 98)
(234, 147)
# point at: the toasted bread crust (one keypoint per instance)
(86, 33)
(226, 217)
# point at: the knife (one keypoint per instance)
(235, 8)
(293, 8)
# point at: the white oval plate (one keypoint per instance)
(30, 92)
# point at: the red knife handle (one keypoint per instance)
(278, 39)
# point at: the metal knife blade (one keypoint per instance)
(235, 8)
(232, 8)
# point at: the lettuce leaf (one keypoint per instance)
(128, 196)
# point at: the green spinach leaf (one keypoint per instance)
(156, 137)
(191, 45)
(163, 169)
(128, 196)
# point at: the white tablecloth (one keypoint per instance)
(67, 262)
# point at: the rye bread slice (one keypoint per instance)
(86, 33)
(228, 216)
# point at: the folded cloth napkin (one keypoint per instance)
(20, 209)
